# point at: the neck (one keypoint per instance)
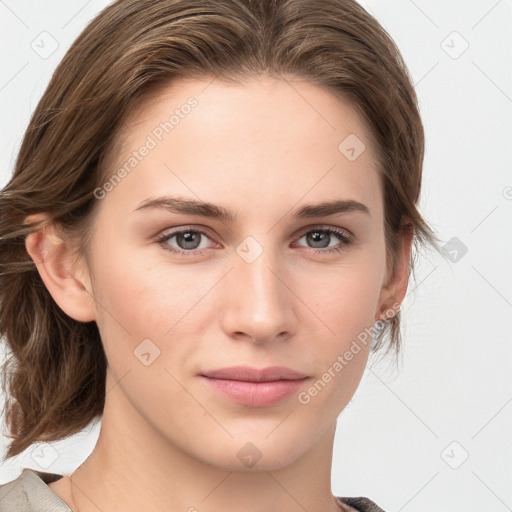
(134, 467)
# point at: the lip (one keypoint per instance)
(249, 374)
(255, 387)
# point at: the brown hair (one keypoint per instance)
(55, 376)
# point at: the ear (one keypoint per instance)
(67, 282)
(393, 291)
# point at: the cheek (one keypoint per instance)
(152, 300)
(343, 299)
(344, 302)
(344, 309)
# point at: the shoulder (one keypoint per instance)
(30, 492)
(361, 504)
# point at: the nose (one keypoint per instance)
(260, 305)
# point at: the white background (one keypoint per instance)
(404, 438)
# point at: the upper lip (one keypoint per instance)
(248, 374)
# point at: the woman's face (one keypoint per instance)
(262, 285)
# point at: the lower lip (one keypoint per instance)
(256, 394)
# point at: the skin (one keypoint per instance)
(168, 442)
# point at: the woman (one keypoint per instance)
(211, 223)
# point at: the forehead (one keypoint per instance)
(264, 98)
(284, 136)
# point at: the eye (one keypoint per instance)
(321, 238)
(188, 241)
(192, 241)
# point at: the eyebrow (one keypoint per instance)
(213, 211)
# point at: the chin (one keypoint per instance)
(254, 453)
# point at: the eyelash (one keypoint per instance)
(345, 237)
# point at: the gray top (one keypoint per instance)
(30, 493)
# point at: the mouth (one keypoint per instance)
(255, 388)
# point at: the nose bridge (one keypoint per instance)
(257, 267)
(260, 304)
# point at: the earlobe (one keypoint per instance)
(393, 292)
(68, 284)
